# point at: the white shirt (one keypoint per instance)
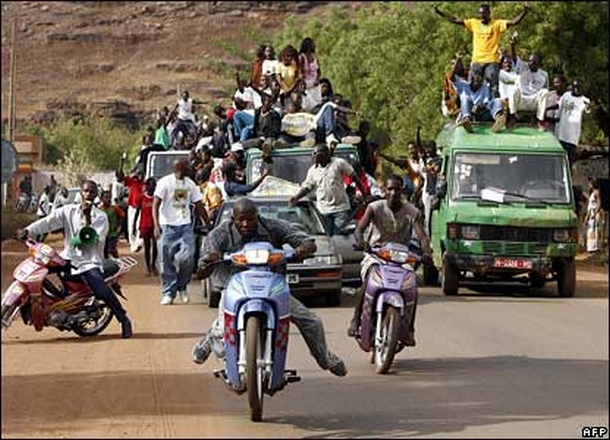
(249, 95)
(44, 205)
(531, 82)
(59, 201)
(70, 218)
(269, 67)
(570, 117)
(176, 196)
(508, 82)
(328, 182)
(185, 110)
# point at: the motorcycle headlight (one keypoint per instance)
(470, 232)
(399, 256)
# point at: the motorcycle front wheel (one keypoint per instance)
(254, 367)
(97, 323)
(386, 340)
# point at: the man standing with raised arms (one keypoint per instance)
(486, 35)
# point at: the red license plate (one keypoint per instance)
(512, 263)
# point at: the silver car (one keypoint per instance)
(318, 276)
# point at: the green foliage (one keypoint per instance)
(93, 144)
(390, 59)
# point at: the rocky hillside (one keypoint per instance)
(126, 59)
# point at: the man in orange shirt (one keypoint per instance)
(486, 35)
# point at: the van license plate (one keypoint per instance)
(512, 263)
(293, 278)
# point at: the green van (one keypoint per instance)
(505, 210)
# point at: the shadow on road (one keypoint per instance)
(443, 396)
(422, 397)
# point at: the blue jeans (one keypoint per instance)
(95, 280)
(335, 221)
(243, 125)
(490, 72)
(494, 106)
(176, 257)
(328, 123)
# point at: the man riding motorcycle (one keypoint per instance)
(245, 227)
(392, 220)
(86, 260)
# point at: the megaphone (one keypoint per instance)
(86, 237)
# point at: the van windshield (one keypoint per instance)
(293, 167)
(511, 177)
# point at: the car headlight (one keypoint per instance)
(322, 259)
(471, 232)
(565, 235)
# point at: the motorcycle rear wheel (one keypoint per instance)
(254, 369)
(97, 325)
(385, 345)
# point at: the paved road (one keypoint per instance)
(493, 363)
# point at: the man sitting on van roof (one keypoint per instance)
(476, 102)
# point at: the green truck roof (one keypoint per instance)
(483, 139)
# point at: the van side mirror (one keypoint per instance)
(441, 191)
(441, 188)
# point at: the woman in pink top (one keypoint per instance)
(308, 63)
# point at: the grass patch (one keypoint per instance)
(12, 220)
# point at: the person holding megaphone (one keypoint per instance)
(85, 229)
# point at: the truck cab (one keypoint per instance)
(504, 211)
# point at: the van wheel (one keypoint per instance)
(430, 275)
(451, 278)
(566, 278)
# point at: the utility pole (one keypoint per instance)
(12, 79)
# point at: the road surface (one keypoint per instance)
(489, 363)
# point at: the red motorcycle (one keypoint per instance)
(67, 304)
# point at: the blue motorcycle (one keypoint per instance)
(256, 325)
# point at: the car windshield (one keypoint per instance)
(293, 167)
(160, 165)
(302, 216)
(511, 177)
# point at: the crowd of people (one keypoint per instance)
(499, 84)
(283, 102)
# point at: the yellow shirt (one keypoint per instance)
(485, 39)
(287, 73)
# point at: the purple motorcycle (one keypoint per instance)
(389, 300)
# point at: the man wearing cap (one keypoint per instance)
(326, 177)
(486, 35)
(83, 249)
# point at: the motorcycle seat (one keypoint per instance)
(110, 268)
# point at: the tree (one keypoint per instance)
(89, 145)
